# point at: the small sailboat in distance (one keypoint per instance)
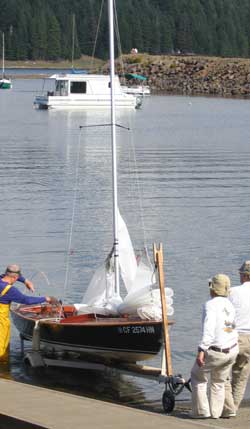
(5, 83)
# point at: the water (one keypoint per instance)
(190, 191)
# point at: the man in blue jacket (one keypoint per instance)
(8, 294)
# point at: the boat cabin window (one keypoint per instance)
(61, 87)
(78, 87)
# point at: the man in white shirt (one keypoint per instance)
(217, 351)
(240, 298)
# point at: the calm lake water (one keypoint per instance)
(190, 190)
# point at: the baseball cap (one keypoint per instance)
(245, 268)
(13, 269)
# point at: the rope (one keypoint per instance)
(42, 274)
(72, 216)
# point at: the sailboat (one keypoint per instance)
(5, 83)
(104, 327)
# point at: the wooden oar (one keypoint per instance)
(158, 258)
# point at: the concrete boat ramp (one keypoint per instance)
(24, 406)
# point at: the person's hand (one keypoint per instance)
(52, 300)
(29, 285)
(200, 359)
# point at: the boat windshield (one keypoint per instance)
(61, 87)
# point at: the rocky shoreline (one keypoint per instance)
(193, 75)
(176, 74)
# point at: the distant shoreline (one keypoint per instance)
(166, 74)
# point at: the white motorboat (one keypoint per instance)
(135, 84)
(136, 90)
(76, 90)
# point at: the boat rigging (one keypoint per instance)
(105, 330)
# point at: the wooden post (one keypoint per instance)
(158, 258)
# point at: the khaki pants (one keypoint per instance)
(218, 366)
(240, 373)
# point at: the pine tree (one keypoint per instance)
(54, 39)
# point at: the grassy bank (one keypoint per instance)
(84, 62)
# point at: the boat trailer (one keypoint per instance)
(174, 384)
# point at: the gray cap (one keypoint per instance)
(220, 284)
(13, 269)
(245, 268)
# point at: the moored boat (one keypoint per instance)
(76, 90)
(135, 84)
(5, 83)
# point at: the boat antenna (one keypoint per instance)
(73, 41)
(3, 53)
(113, 139)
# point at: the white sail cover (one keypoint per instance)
(146, 302)
(99, 297)
(143, 297)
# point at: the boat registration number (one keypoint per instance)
(136, 329)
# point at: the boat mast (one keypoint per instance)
(113, 131)
(73, 41)
(3, 54)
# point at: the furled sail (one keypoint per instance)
(145, 302)
(127, 259)
(143, 295)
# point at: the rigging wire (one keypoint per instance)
(117, 33)
(139, 197)
(76, 187)
(119, 46)
(96, 36)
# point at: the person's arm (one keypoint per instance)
(15, 295)
(27, 283)
(209, 326)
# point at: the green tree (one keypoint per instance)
(54, 39)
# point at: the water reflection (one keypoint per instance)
(193, 175)
(95, 384)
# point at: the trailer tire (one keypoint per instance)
(168, 401)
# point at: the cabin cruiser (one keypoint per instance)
(85, 91)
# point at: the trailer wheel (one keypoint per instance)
(168, 401)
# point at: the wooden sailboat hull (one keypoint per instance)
(99, 338)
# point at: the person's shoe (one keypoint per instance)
(197, 416)
(228, 416)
